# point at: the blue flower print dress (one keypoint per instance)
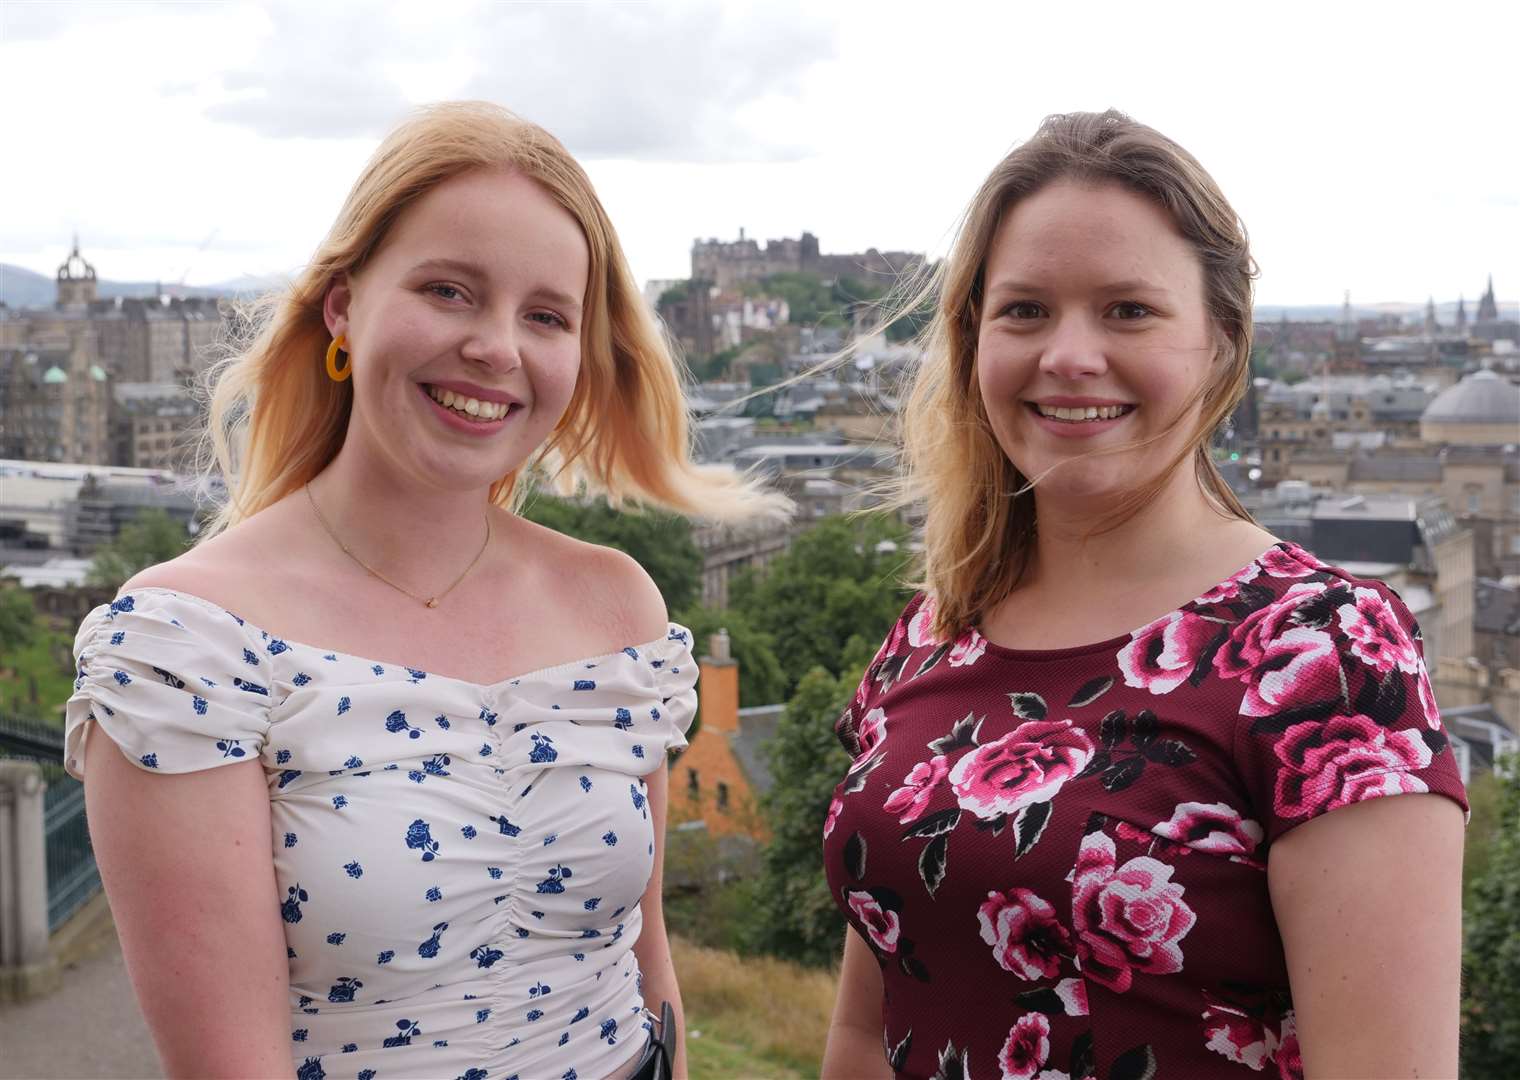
(459, 867)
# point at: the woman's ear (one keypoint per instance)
(335, 305)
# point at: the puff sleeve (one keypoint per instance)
(177, 683)
(1339, 706)
(675, 678)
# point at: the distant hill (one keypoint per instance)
(23, 288)
(1446, 312)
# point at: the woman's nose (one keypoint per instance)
(1074, 349)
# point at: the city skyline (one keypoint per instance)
(209, 142)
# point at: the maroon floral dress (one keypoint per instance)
(1059, 857)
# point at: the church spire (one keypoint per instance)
(1346, 331)
(1488, 308)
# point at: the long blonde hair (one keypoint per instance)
(980, 523)
(276, 420)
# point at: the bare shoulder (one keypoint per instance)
(228, 569)
(601, 579)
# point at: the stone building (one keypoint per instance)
(58, 405)
(1496, 624)
(55, 403)
(1487, 325)
(1464, 446)
(1305, 419)
(730, 548)
(1481, 485)
(156, 339)
(725, 263)
(153, 425)
(1481, 410)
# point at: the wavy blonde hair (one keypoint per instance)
(980, 519)
(276, 420)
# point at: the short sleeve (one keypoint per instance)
(1339, 707)
(178, 684)
(675, 677)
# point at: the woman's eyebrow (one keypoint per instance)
(1002, 286)
(456, 266)
(465, 268)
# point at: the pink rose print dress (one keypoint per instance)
(459, 867)
(1059, 857)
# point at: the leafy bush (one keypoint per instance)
(1491, 947)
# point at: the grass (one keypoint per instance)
(758, 1017)
(38, 659)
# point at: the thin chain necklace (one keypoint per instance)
(431, 602)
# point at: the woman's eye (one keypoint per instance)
(1127, 311)
(549, 318)
(444, 292)
(1024, 309)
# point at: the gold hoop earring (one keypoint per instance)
(334, 372)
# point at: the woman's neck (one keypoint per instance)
(419, 535)
(1179, 527)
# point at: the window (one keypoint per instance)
(693, 784)
(722, 795)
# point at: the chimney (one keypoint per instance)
(718, 688)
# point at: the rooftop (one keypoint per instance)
(1481, 398)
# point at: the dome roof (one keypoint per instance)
(1481, 398)
(54, 374)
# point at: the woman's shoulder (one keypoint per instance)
(607, 584)
(232, 570)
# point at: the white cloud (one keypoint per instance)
(1367, 147)
(642, 81)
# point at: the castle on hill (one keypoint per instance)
(725, 263)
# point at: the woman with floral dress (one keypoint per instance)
(376, 774)
(1117, 806)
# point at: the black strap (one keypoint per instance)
(668, 1036)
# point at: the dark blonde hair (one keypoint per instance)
(277, 420)
(979, 528)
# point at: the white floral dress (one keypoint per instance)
(459, 866)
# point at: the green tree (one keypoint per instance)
(794, 912)
(659, 542)
(1491, 947)
(840, 580)
(1483, 794)
(18, 620)
(153, 537)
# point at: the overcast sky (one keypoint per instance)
(1367, 146)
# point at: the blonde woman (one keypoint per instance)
(1118, 805)
(376, 772)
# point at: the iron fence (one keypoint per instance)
(72, 877)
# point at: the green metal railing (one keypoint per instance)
(72, 877)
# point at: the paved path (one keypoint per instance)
(89, 1027)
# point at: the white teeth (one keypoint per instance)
(1082, 412)
(483, 410)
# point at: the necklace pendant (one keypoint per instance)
(433, 602)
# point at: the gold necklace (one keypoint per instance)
(431, 602)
